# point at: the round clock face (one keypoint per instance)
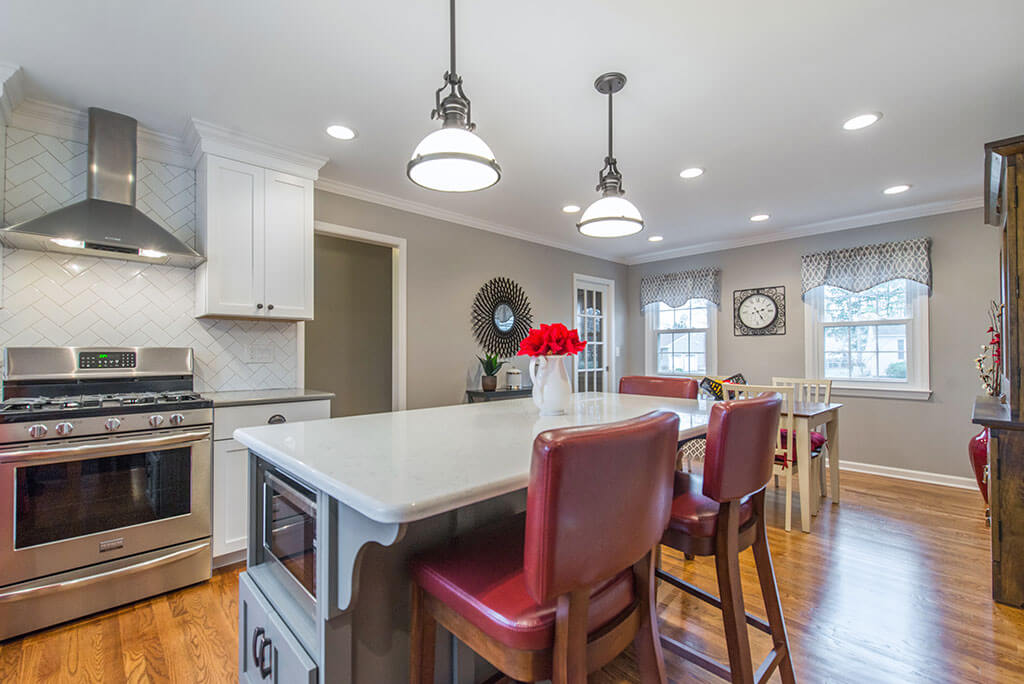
(758, 311)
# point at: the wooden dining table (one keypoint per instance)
(808, 415)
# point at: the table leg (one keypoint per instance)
(803, 465)
(833, 454)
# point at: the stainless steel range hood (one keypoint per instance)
(106, 223)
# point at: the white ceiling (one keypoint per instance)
(753, 91)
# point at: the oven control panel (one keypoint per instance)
(101, 359)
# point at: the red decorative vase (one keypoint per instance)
(977, 451)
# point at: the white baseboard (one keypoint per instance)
(914, 475)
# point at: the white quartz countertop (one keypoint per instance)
(408, 465)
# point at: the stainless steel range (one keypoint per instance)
(104, 480)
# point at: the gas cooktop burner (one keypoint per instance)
(71, 403)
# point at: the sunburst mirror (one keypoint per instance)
(501, 317)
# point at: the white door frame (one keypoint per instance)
(609, 344)
(399, 326)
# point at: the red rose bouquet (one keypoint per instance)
(551, 340)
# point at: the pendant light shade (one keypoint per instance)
(453, 159)
(612, 215)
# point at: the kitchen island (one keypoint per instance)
(337, 508)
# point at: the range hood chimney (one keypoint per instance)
(106, 223)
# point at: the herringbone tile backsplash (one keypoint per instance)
(62, 299)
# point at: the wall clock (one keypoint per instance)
(759, 311)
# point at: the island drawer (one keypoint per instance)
(229, 418)
(267, 650)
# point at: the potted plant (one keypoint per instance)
(490, 365)
(548, 346)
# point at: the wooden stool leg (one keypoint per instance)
(569, 664)
(770, 593)
(727, 567)
(647, 641)
(422, 634)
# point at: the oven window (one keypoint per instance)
(64, 500)
(290, 528)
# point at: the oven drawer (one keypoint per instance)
(267, 650)
(229, 418)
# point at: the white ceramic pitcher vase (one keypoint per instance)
(551, 389)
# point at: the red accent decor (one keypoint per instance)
(817, 440)
(652, 386)
(977, 450)
(551, 339)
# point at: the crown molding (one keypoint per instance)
(339, 188)
(12, 90)
(203, 137)
(73, 124)
(807, 229)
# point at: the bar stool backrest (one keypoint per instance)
(680, 388)
(599, 500)
(742, 439)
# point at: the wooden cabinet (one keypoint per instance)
(255, 227)
(231, 464)
(1004, 178)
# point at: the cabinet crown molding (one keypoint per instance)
(203, 137)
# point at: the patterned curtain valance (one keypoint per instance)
(675, 289)
(860, 268)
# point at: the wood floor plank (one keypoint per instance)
(892, 586)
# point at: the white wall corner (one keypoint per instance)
(203, 137)
(12, 91)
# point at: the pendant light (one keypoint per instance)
(453, 159)
(612, 215)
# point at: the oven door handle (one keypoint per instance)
(33, 592)
(106, 447)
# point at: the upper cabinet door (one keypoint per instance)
(288, 238)
(231, 229)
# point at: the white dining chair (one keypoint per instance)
(815, 391)
(785, 463)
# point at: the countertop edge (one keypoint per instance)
(372, 508)
(317, 396)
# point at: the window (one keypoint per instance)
(875, 340)
(681, 340)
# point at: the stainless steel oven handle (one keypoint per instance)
(33, 592)
(106, 446)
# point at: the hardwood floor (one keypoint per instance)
(891, 586)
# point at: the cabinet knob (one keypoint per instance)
(270, 307)
(259, 306)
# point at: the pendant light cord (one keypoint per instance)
(610, 156)
(451, 21)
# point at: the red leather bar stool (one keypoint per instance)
(680, 388)
(561, 590)
(723, 514)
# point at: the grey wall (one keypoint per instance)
(352, 314)
(447, 264)
(928, 435)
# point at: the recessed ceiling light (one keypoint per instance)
(691, 172)
(861, 121)
(757, 218)
(570, 209)
(341, 132)
(896, 189)
(655, 238)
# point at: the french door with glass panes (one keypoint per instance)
(594, 299)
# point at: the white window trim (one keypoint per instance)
(650, 340)
(918, 386)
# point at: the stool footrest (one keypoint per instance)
(697, 592)
(695, 657)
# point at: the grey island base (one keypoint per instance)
(338, 507)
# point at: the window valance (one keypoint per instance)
(860, 268)
(675, 289)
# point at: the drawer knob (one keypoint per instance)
(276, 419)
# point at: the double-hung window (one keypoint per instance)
(873, 342)
(681, 340)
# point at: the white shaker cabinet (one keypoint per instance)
(255, 227)
(231, 466)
